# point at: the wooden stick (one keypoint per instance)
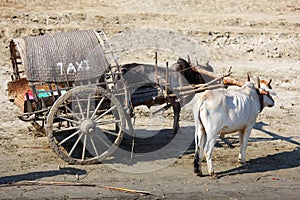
(228, 80)
(30, 183)
(156, 69)
(140, 192)
(35, 147)
(167, 80)
(196, 86)
(196, 90)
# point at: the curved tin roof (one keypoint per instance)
(62, 57)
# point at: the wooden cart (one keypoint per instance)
(70, 86)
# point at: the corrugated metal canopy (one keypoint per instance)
(62, 57)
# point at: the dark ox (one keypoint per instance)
(143, 84)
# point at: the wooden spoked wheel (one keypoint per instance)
(81, 125)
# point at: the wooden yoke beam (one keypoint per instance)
(226, 80)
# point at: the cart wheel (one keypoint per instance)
(81, 125)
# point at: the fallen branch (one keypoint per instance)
(41, 183)
(140, 192)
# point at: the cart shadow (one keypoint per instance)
(153, 146)
(41, 174)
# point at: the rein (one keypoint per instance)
(186, 69)
(261, 100)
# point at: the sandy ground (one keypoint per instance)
(257, 36)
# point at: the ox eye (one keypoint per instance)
(273, 93)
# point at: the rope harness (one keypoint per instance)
(261, 100)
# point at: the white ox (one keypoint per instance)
(224, 111)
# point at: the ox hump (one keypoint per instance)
(248, 84)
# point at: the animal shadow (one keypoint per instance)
(282, 160)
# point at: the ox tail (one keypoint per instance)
(200, 139)
(200, 132)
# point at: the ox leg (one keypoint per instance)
(243, 137)
(200, 139)
(197, 165)
(208, 151)
(199, 151)
(176, 109)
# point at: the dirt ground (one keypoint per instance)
(260, 36)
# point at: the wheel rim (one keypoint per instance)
(81, 125)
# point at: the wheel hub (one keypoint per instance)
(87, 126)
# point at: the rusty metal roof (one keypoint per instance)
(62, 57)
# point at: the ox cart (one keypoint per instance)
(70, 86)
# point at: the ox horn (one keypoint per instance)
(258, 82)
(188, 58)
(263, 92)
(270, 82)
(248, 76)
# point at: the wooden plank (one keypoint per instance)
(16, 87)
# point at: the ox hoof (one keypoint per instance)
(214, 175)
(242, 163)
(245, 166)
(175, 130)
(199, 174)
